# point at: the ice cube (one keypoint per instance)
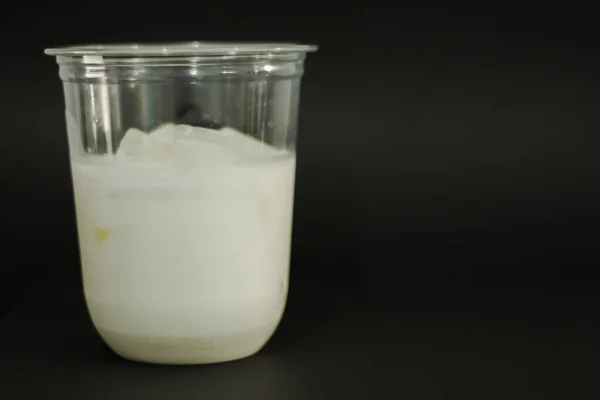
(164, 133)
(188, 133)
(137, 145)
(184, 133)
(185, 144)
(201, 145)
(243, 142)
(247, 144)
(203, 153)
(131, 143)
(227, 138)
(155, 150)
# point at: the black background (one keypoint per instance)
(445, 232)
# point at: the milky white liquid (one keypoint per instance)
(185, 263)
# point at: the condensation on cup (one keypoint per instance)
(183, 163)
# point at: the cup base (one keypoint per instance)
(187, 351)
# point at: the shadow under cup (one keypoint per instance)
(183, 164)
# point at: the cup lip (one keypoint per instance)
(194, 48)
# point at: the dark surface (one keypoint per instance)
(446, 221)
(473, 344)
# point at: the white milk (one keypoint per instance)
(185, 243)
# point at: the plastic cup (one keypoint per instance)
(183, 165)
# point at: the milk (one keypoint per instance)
(185, 243)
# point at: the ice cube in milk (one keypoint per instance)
(185, 242)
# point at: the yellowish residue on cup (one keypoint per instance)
(100, 234)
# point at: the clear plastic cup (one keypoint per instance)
(183, 165)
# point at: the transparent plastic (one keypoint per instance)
(183, 164)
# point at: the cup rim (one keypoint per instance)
(194, 48)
